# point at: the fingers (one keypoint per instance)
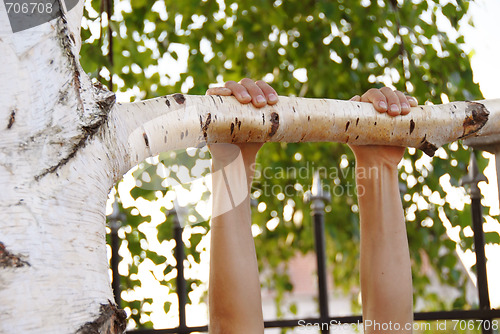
(375, 97)
(403, 102)
(258, 97)
(393, 104)
(259, 93)
(413, 101)
(356, 98)
(269, 92)
(240, 93)
(387, 100)
(222, 91)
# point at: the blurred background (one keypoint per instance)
(437, 51)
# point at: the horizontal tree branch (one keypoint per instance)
(180, 121)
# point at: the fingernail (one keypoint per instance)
(405, 106)
(382, 104)
(260, 99)
(273, 97)
(394, 107)
(245, 95)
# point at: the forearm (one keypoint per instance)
(234, 289)
(385, 263)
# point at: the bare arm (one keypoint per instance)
(386, 284)
(234, 287)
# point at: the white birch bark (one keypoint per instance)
(63, 144)
(54, 178)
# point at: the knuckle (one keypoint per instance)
(246, 81)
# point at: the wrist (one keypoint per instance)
(374, 169)
(367, 161)
(235, 165)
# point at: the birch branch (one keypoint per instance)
(180, 121)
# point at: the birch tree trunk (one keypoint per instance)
(64, 143)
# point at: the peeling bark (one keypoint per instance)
(477, 116)
(8, 259)
(111, 320)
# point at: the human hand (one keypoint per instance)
(394, 103)
(260, 94)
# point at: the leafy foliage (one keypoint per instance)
(310, 48)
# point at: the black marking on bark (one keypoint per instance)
(428, 148)
(108, 99)
(238, 123)
(9, 260)
(67, 47)
(263, 119)
(347, 125)
(63, 97)
(357, 137)
(88, 133)
(232, 128)
(357, 121)
(275, 124)
(412, 126)
(204, 127)
(182, 135)
(220, 97)
(167, 102)
(294, 109)
(111, 320)
(179, 98)
(476, 117)
(146, 140)
(375, 123)
(12, 119)
(308, 118)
